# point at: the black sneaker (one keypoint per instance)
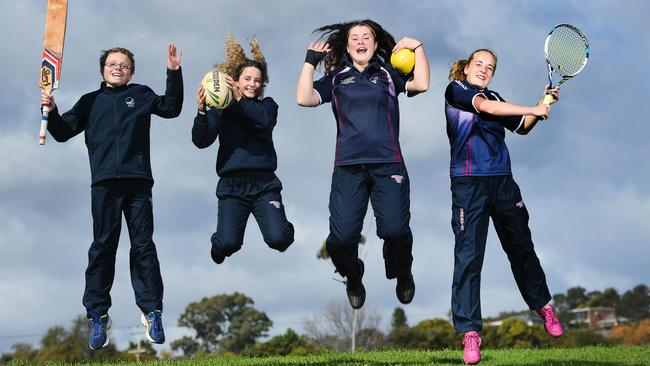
(217, 257)
(354, 288)
(405, 289)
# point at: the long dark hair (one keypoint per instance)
(337, 37)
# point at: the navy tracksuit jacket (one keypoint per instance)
(116, 122)
(246, 162)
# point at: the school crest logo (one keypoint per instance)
(130, 102)
(275, 204)
(397, 178)
(349, 80)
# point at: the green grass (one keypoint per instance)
(592, 356)
(588, 356)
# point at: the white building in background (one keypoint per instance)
(594, 317)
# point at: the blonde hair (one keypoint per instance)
(457, 70)
(236, 59)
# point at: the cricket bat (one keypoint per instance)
(57, 12)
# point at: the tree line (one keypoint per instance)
(633, 305)
(230, 324)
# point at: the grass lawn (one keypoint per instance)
(588, 356)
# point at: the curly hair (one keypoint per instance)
(124, 51)
(457, 70)
(236, 59)
(336, 36)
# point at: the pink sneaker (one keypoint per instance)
(551, 322)
(472, 351)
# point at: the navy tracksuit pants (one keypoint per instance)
(241, 194)
(474, 201)
(386, 185)
(111, 199)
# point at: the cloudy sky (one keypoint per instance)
(584, 173)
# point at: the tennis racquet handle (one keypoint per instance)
(41, 135)
(548, 98)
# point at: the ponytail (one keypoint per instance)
(457, 71)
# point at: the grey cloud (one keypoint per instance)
(583, 173)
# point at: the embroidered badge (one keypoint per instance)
(397, 178)
(349, 80)
(130, 102)
(275, 204)
(374, 79)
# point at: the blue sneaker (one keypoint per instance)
(98, 326)
(153, 322)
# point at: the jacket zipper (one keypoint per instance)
(117, 137)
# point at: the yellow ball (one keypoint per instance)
(403, 60)
(217, 94)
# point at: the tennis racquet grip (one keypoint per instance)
(548, 98)
(42, 134)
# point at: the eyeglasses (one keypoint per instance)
(118, 66)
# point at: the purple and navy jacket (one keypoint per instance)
(366, 110)
(477, 140)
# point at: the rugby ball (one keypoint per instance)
(217, 94)
(403, 60)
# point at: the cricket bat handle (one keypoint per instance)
(41, 135)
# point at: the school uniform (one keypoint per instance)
(116, 124)
(246, 164)
(482, 188)
(368, 165)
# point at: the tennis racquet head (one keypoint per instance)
(567, 51)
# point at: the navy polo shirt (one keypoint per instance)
(478, 146)
(366, 110)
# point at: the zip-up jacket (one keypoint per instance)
(116, 122)
(245, 131)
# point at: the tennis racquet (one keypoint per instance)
(567, 51)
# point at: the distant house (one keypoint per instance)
(526, 316)
(594, 317)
